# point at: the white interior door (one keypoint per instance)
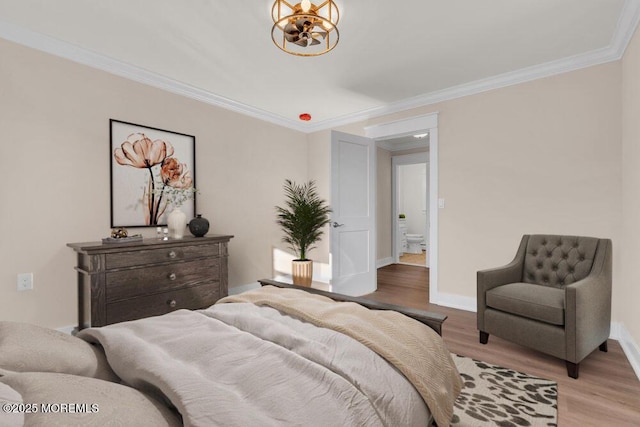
(353, 224)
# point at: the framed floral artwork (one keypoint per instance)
(152, 173)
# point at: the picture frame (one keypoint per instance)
(152, 172)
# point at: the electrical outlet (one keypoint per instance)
(25, 281)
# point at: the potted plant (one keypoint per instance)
(302, 220)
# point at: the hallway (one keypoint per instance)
(400, 284)
(416, 259)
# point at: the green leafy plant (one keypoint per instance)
(303, 217)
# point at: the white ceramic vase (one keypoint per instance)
(177, 223)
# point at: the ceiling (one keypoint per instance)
(391, 55)
(407, 142)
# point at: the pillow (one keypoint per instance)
(30, 348)
(10, 396)
(89, 402)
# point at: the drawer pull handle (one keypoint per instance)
(172, 276)
(172, 254)
(172, 303)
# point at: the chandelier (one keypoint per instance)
(305, 29)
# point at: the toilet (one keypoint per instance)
(414, 243)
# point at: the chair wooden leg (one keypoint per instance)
(572, 369)
(484, 337)
(604, 347)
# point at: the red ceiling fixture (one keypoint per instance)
(305, 117)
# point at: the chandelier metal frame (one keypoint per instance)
(305, 29)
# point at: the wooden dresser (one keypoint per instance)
(127, 281)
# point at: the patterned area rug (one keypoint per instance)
(496, 396)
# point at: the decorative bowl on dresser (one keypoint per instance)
(126, 281)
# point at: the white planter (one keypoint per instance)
(177, 223)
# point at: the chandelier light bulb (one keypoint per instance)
(305, 5)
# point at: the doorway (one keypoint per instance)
(414, 127)
(410, 201)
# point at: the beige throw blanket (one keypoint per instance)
(413, 348)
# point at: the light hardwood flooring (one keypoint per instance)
(606, 394)
(420, 259)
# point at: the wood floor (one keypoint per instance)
(419, 259)
(606, 394)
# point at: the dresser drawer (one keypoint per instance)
(132, 280)
(154, 305)
(154, 256)
(125, 284)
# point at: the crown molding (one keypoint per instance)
(627, 24)
(38, 41)
(626, 27)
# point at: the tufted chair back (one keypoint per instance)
(558, 260)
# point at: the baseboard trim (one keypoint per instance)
(384, 262)
(628, 344)
(455, 301)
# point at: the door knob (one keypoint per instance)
(336, 225)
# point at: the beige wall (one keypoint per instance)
(539, 157)
(629, 284)
(543, 156)
(54, 125)
(384, 211)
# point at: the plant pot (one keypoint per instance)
(302, 271)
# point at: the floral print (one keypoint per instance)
(173, 182)
(140, 152)
(175, 174)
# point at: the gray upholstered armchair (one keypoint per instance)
(555, 297)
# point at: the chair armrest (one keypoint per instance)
(489, 279)
(588, 307)
(494, 277)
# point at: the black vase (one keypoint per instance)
(199, 226)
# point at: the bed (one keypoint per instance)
(278, 355)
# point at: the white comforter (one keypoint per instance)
(239, 364)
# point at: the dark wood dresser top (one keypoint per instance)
(86, 247)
